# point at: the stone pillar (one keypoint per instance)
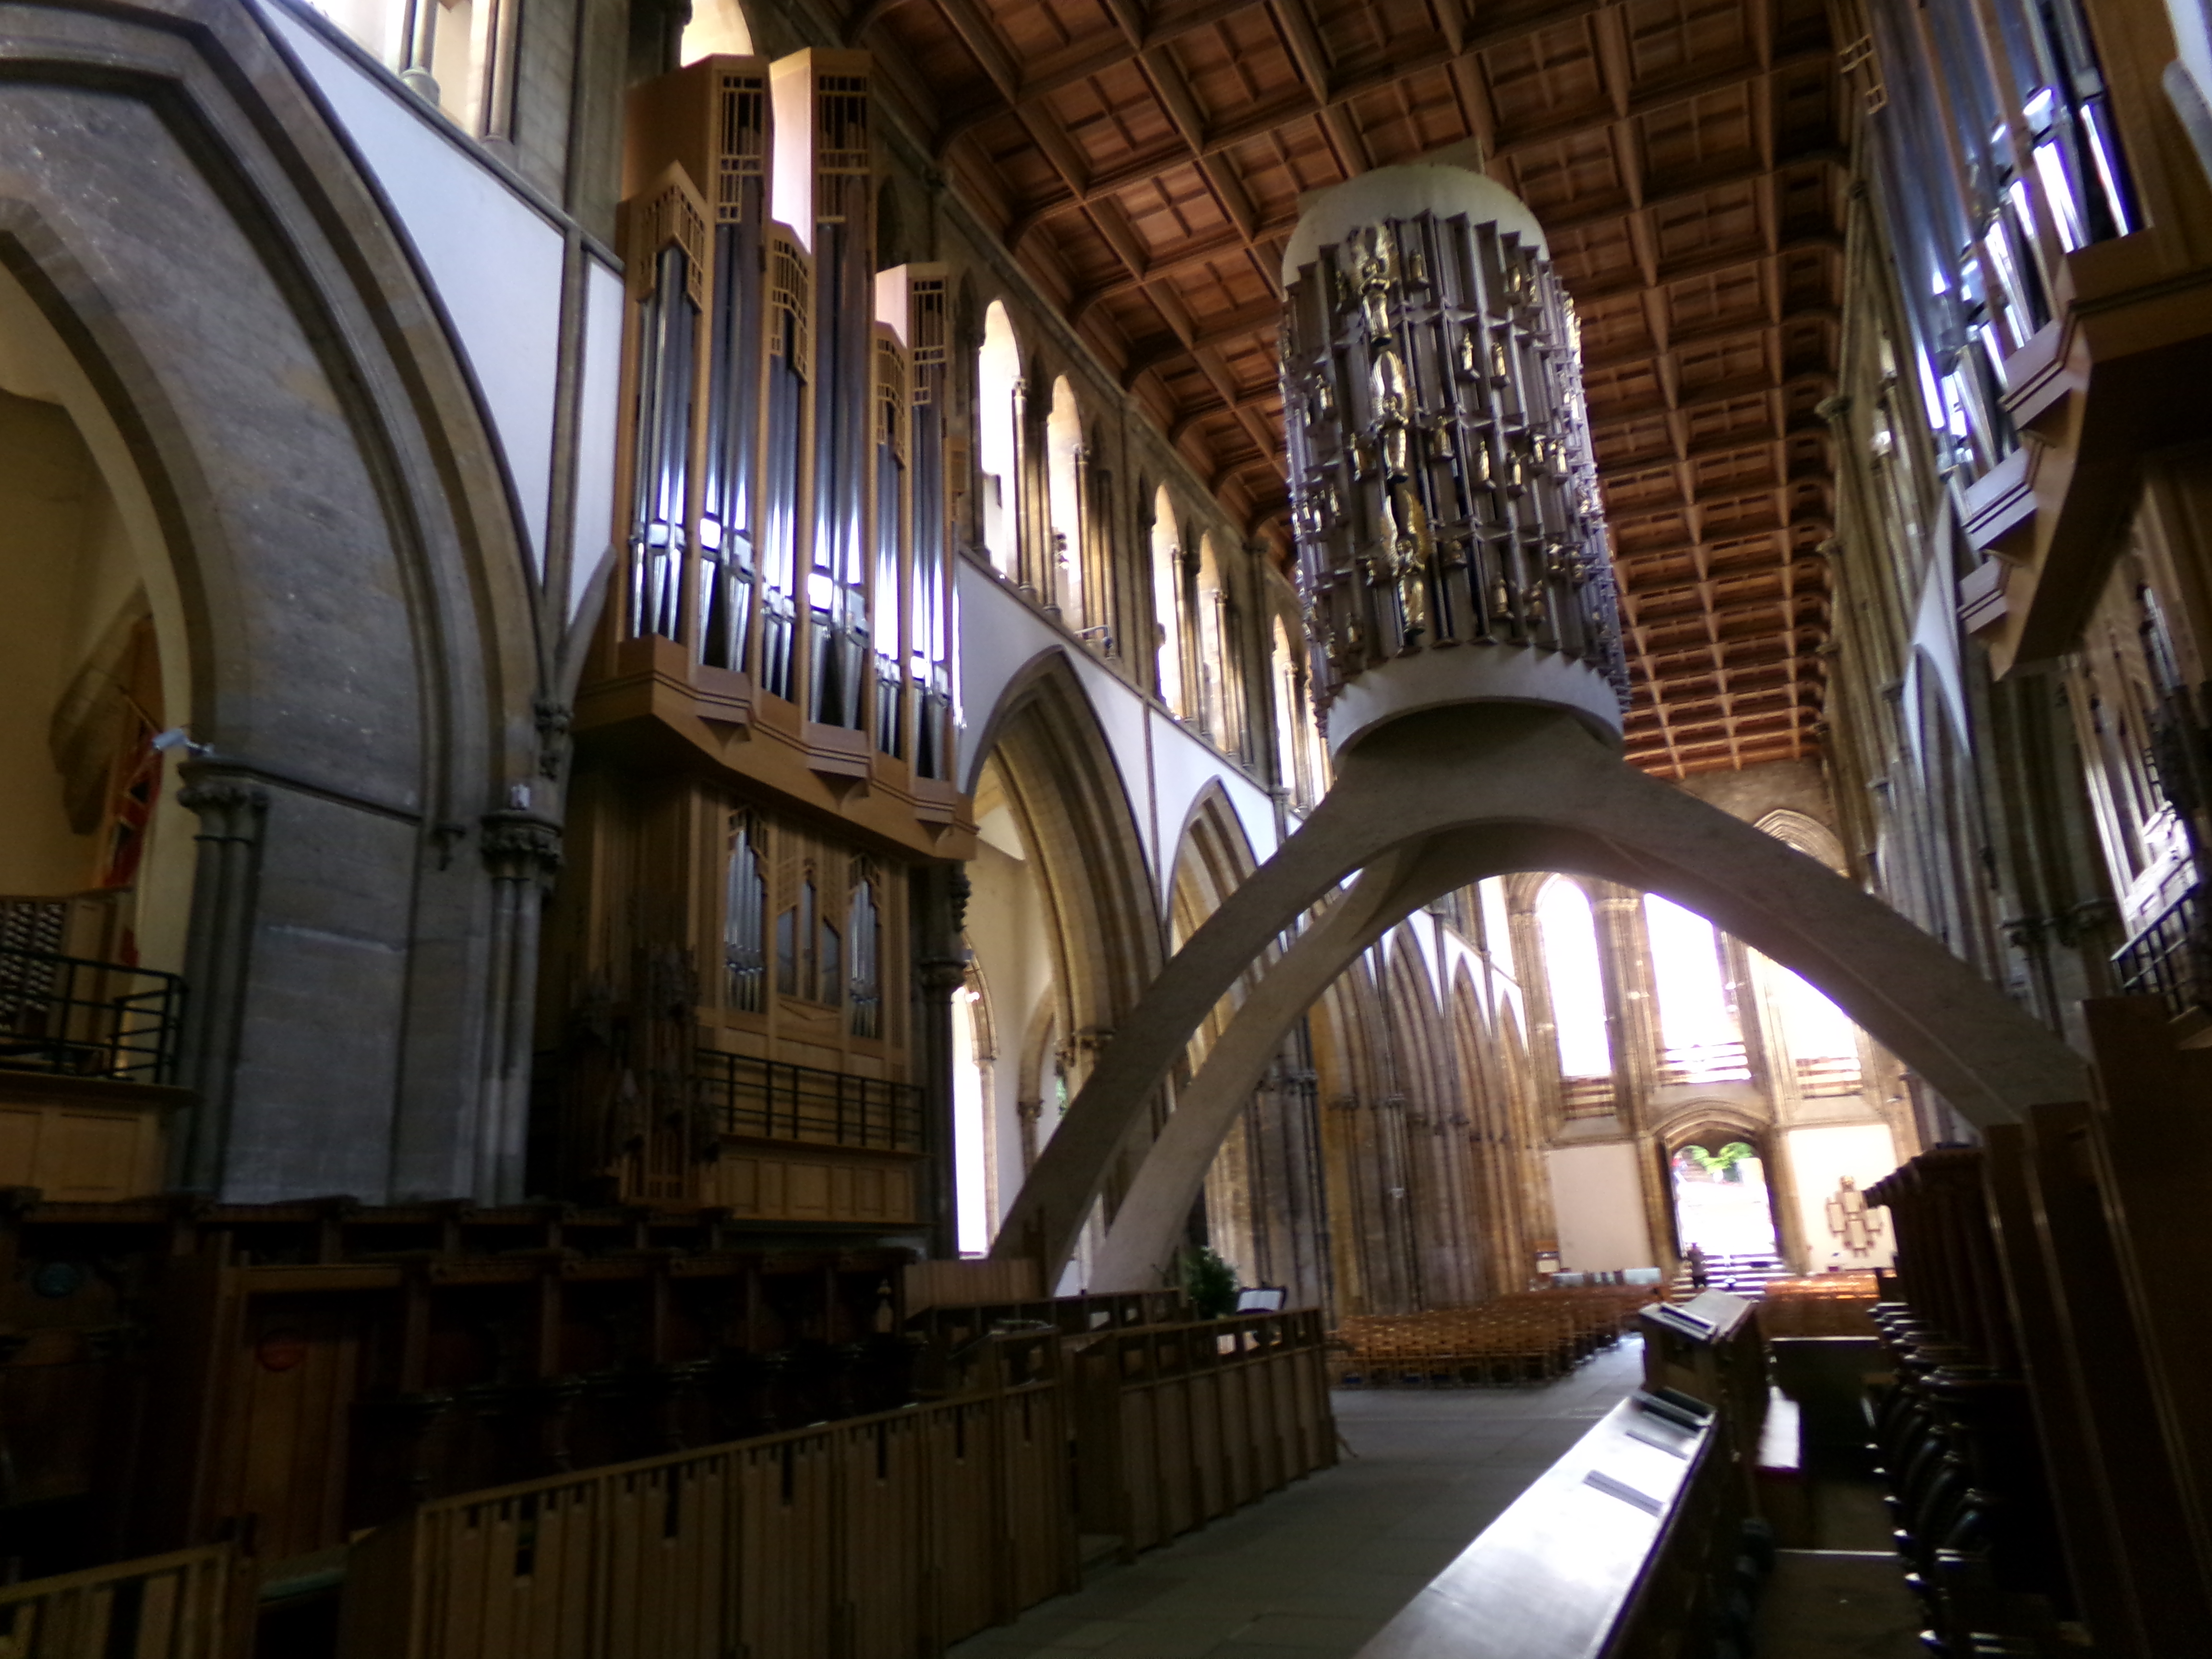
(940, 968)
(1632, 1016)
(522, 854)
(233, 811)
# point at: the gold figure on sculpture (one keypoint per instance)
(1403, 548)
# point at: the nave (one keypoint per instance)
(1319, 1571)
(1321, 1568)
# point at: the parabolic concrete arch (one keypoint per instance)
(1439, 799)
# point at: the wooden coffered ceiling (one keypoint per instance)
(1144, 162)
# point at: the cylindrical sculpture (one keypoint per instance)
(1451, 547)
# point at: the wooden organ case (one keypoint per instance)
(763, 793)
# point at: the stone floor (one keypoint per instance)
(1315, 1571)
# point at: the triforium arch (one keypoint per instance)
(353, 599)
(1101, 919)
(1433, 802)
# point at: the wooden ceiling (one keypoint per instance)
(1144, 162)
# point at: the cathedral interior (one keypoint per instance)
(819, 819)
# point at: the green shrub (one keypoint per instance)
(1209, 1282)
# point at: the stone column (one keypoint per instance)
(940, 968)
(234, 812)
(522, 851)
(1633, 1013)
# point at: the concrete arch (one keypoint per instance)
(1436, 801)
(364, 644)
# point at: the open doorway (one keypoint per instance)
(1721, 1200)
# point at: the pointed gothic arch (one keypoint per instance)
(325, 481)
(1047, 744)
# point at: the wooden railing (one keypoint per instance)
(876, 1538)
(1178, 1425)
(177, 1607)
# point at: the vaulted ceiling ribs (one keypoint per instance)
(1145, 162)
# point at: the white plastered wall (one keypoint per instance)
(1164, 767)
(1597, 1196)
(1820, 1158)
(493, 259)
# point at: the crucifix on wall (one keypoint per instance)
(1853, 1223)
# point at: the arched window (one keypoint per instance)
(998, 383)
(1569, 932)
(866, 927)
(1698, 1027)
(1220, 688)
(1064, 505)
(975, 1206)
(1168, 606)
(718, 28)
(1823, 1043)
(745, 917)
(457, 54)
(1297, 743)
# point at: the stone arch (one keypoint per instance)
(1054, 756)
(1495, 1137)
(1442, 1212)
(1713, 1124)
(1807, 834)
(1213, 854)
(1434, 802)
(331, 497)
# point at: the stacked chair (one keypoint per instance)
(1530, 1336)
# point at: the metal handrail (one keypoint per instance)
(774, 1100)
(80, 1018)
(2171, 956)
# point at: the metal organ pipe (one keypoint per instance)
(788, 498)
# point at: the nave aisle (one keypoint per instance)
(1319, 1568)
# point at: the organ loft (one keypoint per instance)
(951, 827)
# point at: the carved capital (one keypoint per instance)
(553, 722)
(521, 845)
(230, 807)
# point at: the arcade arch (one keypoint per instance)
(1061, 921)
(344, 612)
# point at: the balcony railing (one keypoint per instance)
(2172, 957)
(770, 1100)
(1829, 1074)
(1586, 1097)
(1704, 1062)
(86, 1018)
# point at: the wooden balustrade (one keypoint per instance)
(881, 1537)
(1826, 1304)
(323, 1366)
(180, 1605)
(1178, 1425)
(1955, 1432)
